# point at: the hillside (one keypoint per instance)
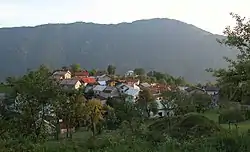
(166, 45)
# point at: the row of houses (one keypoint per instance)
(104, 87)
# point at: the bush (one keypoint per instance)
(194, 126)
(232, 143)
(229, 116)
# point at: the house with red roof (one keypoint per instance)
(88, 81)
(82, 74)
(157, 89)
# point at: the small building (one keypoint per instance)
(98, 89)
(88, 81)
(129, 73)
(165, 108)
(145, 85)
(70, 84)
(103, 78)
(211, 90)
(82, 74)
(59, 75)
(100, 73)
(109, 92)
(102, 83)
(132, 93)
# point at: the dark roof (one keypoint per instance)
(189, 89)
(211, 88)
(100, 73)
(69, 81)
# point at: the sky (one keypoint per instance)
(210, 15)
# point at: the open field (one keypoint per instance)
(242, 126)
(4, 88)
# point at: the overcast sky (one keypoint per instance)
(210, 15)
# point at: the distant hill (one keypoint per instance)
(166, 45)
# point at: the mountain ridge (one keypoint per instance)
(149, 43)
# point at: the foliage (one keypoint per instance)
(147, 101)
(94, 112)
(92, 72)
(234, 81)
(231, 116)
(232, 142)
(194, 126)
(202, 102)
(31, 101)
(139, 71)
(111, 69)
(183, 102)
(75, 68)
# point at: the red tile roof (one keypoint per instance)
(159, 88)
(82, 73)
(89, 80)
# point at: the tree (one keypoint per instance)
(111, 69)
(31, 100)
(139, 71)
(94, 112)
(202, 102)
(127, 112)
(179, 81)
(162, 81)
(70, 110)
(235, 80)
(146, 99)
(75, 68)
(92, 72)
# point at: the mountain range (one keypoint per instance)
(165, 45)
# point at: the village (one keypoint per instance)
(103, 86)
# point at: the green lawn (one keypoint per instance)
(243, 126)
(4, 88)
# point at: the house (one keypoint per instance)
(88, 81)
(214, 93)
(102, 83)
(145, 85)
(129, 73)
(194, 90)
(182, 88)
(165, 108)
(82, 74)
(100, 73)
(98, 89)
(109, 92)
(70, 84)
(88, 88)
(103, 78)
(59, 75)
(211, 90)
(157, 89)
(132, 82)
(132, 93)
(63, 128)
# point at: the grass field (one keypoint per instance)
(242, 126)
(4, 88)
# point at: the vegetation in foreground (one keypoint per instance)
(123, 126)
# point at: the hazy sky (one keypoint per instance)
(211, 15)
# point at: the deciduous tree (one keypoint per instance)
(235, 80)
(111, 69)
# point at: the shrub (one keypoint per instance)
(232, 143)
(194, 126)
(228, 116)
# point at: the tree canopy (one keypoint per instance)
(235, 80)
